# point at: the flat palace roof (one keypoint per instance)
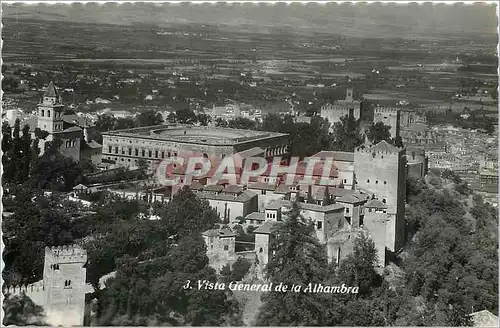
(195, 134)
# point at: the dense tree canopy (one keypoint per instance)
(378, 132)
(346, 134)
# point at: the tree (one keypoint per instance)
(186, 214)
(105, 123)
(185, 116)
(124, 123)
(346, 134)
(242, 123)
(204, 119)
(149, 118)
(300, 259)
(358, 269)
(54, 171)
(219, 122)
(240, 268)
(378, 132)
(21, 311)
(155, 291)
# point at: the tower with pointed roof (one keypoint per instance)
(380, 169)
(50, 112)
(50, 119)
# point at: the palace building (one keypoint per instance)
(154, 143)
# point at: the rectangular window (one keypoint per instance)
(150, 153)
(347, 209)
(226, 247)
(162, 154)
(156, 153)
(110, 149)
(136, 152)
(143, 153)
(130, 151)
(320, 225)
(116, 150)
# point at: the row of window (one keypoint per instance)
(56, 114)
(376, 181)
(271, 215)
(143, 153)
(67, 283)
(71, 143)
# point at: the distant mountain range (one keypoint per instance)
(363, 20)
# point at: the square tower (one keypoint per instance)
(390, 117)
(380, 170)
(50, 112)
(64, 279)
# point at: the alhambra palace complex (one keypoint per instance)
(368, 196)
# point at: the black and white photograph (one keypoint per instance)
(233, 164)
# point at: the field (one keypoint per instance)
(221, 63)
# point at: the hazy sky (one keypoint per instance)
(362, 19)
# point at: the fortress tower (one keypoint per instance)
(64, 278)
(347, 107)
(61, 293)
(381, 170)
(388, 116)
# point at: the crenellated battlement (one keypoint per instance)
(391, 110)
(67, 253)
(335, 107)
(16, 290)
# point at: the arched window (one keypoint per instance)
(48, 113)
(43, 112)
(261, 250)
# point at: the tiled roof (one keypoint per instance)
(51, 90)
(350, 199)
(385, 147)
(233, 189)
(375, 203)
(256, 216)
(262, 186)
(94, 144)
(223, 233)
(244, 197)
(321, 208)
(314, 207)
(274, 205)
(72, 129)
(213, 188)
(266, 228)
(345, 235)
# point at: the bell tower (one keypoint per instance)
(50, 112)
